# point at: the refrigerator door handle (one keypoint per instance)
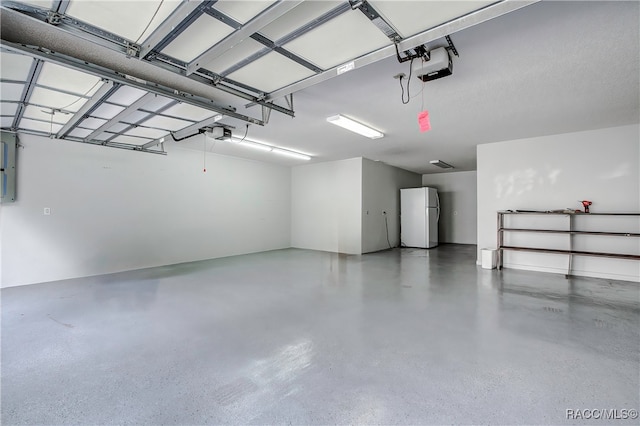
(438, 205)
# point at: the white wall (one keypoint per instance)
(115, 210)
(555, 172)
(326, 206)
(458, 205)
(381, 186)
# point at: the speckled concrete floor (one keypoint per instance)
(301, 337)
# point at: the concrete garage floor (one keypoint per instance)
(301, 337)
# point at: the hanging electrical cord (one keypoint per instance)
(149, 24)
(51, 123)
(419, 93)
(422, 91)
(386, 224)
(62, 109)
(422, 86)
(204, 153)
(245, 134)
(81, 97)
(408, 85)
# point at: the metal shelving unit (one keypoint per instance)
(570, 232)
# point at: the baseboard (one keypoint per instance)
(579, 273)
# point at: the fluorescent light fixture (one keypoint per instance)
(256, 145)
(250, 143)
(291, 154)
(354, 126)
(441, 164)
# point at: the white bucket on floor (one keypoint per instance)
(489, 258)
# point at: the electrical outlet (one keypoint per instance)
(47, 211)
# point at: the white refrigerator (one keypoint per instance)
(419, 215)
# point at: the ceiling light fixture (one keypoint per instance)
(291, 154)
(354, 126)
(441, 164)
(258, 146)
(250, 143)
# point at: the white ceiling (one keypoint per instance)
(551, 67)
(431, 13)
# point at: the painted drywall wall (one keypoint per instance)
(326, 206)
(458, 205)
(115, 210)
(381, 184)
(555, 172)
(338, 206)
